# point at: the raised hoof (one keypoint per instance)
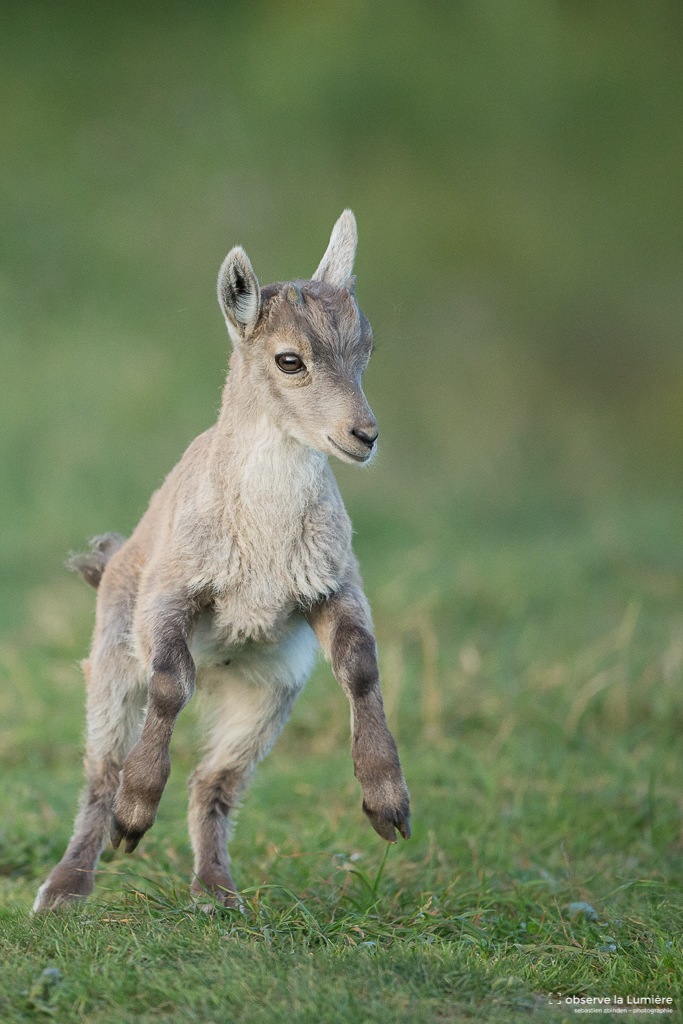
(118, 831)
(385, 821)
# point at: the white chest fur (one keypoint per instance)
(283, 541)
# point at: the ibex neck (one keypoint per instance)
(252, 450)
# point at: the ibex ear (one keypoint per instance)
(336, 266)
(239, 294)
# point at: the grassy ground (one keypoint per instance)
(520, 535)
(540, 735)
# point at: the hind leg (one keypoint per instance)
(214, 793)
(116, 696)
(244, 708)
(243, 720)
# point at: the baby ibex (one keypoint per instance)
(240, 567)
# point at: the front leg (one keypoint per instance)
(147, 768)
(343, 626)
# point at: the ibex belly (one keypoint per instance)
(285, 662)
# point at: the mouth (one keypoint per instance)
(350, 455)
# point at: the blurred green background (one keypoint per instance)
(515, 172)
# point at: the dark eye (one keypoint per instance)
(290, 362)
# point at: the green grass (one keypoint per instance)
(512, 168)
(540, 737)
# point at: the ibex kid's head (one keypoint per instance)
(304, 347)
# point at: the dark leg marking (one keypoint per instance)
(148, 766)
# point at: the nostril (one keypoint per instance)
(368, 437)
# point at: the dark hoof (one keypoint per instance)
(118, 831)
(386, 820)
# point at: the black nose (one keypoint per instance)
(368, 436)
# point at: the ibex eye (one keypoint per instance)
(289, 362)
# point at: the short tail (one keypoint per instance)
(92, 565)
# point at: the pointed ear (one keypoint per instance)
(336, 266)
(239, 294)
